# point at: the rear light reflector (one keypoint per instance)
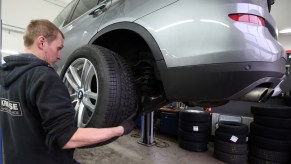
(248, 18)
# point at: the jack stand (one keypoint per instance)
(147, 129)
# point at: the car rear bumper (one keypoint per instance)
(224, 81)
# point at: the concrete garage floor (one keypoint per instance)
(126, 150)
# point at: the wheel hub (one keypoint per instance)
(80, 95)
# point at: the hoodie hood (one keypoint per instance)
(15, 66)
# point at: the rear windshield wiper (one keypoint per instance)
(270, 3)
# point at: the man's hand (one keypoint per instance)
(129, 124)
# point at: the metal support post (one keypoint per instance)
(147, 129)
(147, 119)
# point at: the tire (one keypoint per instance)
(269, 144)
(193, 146)
(282, 123)
(103, 95)
(232, 128)
(256, 160)
(193, 136)
(275, 156)
(232, 138)
(231, 148)
(272, 111)
(194, 116)
(272, 133)
(230, 158)
(287, 100)
(194, 127)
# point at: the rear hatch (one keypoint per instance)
(267, 20)
(264, 3)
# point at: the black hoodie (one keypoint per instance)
(36, 114)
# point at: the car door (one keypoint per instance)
(83, 23)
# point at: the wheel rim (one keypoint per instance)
(82, 82)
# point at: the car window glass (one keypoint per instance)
(83, 6)
(62, 17)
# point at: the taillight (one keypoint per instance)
(248, 18)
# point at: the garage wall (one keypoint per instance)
(285, 41)
(16, 14)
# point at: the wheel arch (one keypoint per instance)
(115, 32)
(131, 40)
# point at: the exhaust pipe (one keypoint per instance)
(257, 95)
(268, 95)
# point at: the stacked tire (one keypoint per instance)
(194, 130)
(270, 135)
(230, 142)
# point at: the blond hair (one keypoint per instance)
(40, 27)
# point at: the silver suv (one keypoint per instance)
(126, 55)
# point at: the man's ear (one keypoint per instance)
(40, 42)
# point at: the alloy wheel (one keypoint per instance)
(82, 83)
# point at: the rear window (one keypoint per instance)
(83, 6)
(60, 20)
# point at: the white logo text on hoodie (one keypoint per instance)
(10, 107)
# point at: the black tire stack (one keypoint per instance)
(287, 100)
(194, 130)
(230, 142)
(270, 135)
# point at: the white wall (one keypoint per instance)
(281, 13)
(285, 41)
(18, 13)
(11, 41)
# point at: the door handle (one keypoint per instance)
(98, 10)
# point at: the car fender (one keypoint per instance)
(144, 33)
